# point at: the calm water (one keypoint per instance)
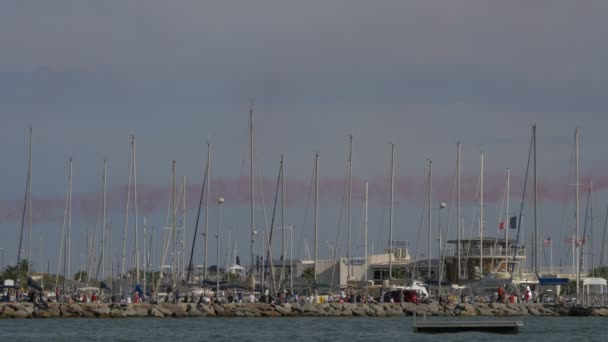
(282, 329)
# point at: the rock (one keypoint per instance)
(43, 314)
(20, 314)
(141, 312)
(8, 312)
(156, 313)
(195, 313)
(534, 311)
(359, 312)
(102, 311)
(308, 307)
(347, 312)
(601, 312)
(116, 313)
(481, 311)
(409, 308)
(261, 306)
(497, 306)
(54, 310)
(29, 309)
(283, 310)
(130, 312)
(17, 306)
(465, 310)
(271, 314)
(165, 311)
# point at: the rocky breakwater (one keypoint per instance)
(60, 310)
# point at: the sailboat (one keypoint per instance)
(510, 273)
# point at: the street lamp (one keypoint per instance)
(220, 200)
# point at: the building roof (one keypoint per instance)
(485, 239)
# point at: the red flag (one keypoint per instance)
(501, 225)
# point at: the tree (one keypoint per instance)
(81, 276)
(601, 272)
(309, 275)
(18, 273)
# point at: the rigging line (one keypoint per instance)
(99, 214)
(523, 198)
(565, 204)
(61, 246)
(308, 197)
(445, 237)
(165, 244)
(27, 188)
(198, 215)
(477, 192)
(274, 210)
(584, 240)
(422, 216)
(502, 206)
(97, 221)
(335, 251)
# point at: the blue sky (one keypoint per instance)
(420, 74)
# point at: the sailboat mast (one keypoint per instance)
(29, 210)
(429, 217)
(602, 254)
(282, 279)
(576, 238)
(390, 234)
(316, 213)
(252, 180)
(591, 240)
(458, 218)
(68, 273)
(135, 210)
(508, 219)
(124, 241)
(145, 255)
(350, 189)
(365, 222)
(103, 222)
(535, 235)
(207, 207)
(173, 200)
(183, 228)
(481, 218)
(25, 204)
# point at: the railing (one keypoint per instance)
(487, 252)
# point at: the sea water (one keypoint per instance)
(539, 329)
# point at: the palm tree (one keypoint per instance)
(18, 273)
(81, 276)
(10, 272)
(309, 274)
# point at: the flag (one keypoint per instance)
(547, 241)
(569, 240)
(513, 222)
(501, 225)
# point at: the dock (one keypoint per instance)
(435, 327)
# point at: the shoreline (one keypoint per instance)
(93, 310)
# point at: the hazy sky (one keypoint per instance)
(420, 74)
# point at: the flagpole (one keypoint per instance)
(551, 256)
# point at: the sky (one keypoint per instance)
(178, 75)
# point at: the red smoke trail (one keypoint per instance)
(155, 198)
